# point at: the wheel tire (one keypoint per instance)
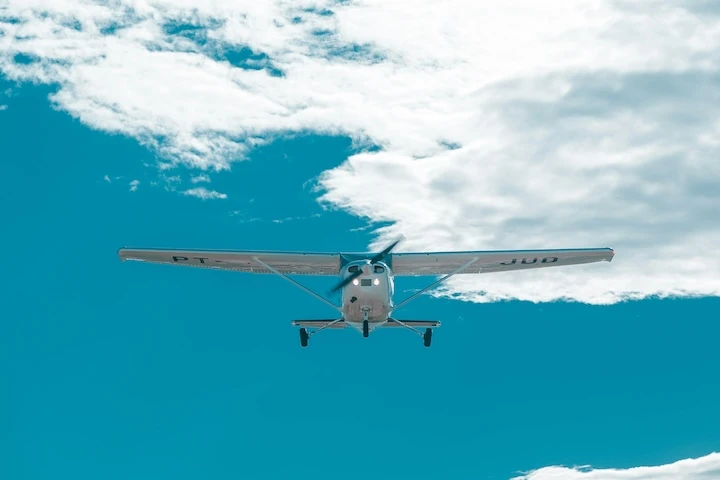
(427, 338)
(366, 328)
(304, 337)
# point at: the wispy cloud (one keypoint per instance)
(703, 468)
(172, 179)
(3, 107)
(109, 179)
(204, 193)
(200, 179)
(243, 218)
(293, 219)
(598, 128)
(134, 185)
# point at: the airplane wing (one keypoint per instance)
(443, 263)
(288, 263)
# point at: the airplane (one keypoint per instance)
(366, 280)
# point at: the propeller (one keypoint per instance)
(346, 280)
(375, 259)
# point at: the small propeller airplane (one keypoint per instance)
(367, 280)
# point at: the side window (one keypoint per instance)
(379, 269)
(353, 269)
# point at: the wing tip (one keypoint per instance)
(124, 253)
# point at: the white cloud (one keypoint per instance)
(3, 107)
(703, 468)
(204, 193)
(200, 179)
(107, 179)
(292, 219)
(501, 125)
(134, 185)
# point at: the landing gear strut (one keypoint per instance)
(427, 336)
(323, 324)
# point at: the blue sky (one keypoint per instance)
(143, 371)
(329, 125)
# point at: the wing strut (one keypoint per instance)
(409, 327)
(327, 325)
(408, 300)
(298, 284)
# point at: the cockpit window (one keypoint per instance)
(353, 268)
(379, 269)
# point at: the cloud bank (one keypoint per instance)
(703, 468)
(494, 125)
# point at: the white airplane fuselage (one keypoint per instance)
(368, 297)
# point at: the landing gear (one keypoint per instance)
(319, 326)
(427, 337)
(410, 325)
(366, 328)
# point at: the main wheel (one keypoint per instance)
(366, 328)
(427, 337)
(304, 337)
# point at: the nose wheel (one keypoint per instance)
(366, 328)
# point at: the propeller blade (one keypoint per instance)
(375, 259)
(388, 249)
(346, 280)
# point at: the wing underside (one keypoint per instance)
(402, 264)
(288, 263)
(443, 263)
